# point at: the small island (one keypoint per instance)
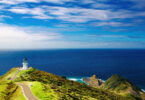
(27, 83)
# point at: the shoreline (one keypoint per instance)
(80, 79)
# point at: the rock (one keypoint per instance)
(93, 81)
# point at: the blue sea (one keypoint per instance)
(78, 63)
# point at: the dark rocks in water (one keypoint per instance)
(63, 77)
(93, 81)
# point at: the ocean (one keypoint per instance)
(78, 63)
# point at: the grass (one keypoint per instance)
(119, 84)
(18, 95)
(3, 87)
(9, 74)
(51, 86)
(9, 90)
(47, 86)
(25, 71)
(123, 87)
(42, 91)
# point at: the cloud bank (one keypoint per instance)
(67, 23)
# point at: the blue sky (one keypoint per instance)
(42, 24)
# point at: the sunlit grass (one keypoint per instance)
(2, 90)
(47, 86)
(25, 71)
(43, 92)
(18, 95)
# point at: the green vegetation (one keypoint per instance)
(8, 90)
(42, 91)
(18, 94)
(47, 86)
(3, 87)
(119, 84)
(25, 71)
(9, 74)
(63, 88)
(123, 86)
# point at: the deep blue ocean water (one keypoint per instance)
(78, 63)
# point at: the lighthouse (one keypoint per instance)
(25, 64)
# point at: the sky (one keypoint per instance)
(46, 24)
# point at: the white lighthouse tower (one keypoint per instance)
(25, 64)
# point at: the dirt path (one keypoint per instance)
(15, 75)
(27, 92)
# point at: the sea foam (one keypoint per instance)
(78, 79)
(143, 90)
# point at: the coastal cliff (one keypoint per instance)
(47, 86)
(118, 85)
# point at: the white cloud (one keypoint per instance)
(13, 2)
(113, 24)
(62, 13)
(18, 37)
(4, 16)
(24, 10)
(72, 14)
(37, 13)
(76, 14)
(14, 37)
(41, 17)
(57, 1)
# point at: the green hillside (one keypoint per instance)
(121, 85)
(47, 86)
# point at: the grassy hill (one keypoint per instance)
(47, 86)
(122, 86)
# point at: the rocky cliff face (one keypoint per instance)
(93, 81)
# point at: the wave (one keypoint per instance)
(75, 79)
(80, 79)
(143, 90)
(102, 80)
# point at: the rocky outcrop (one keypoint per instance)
(93, 81)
